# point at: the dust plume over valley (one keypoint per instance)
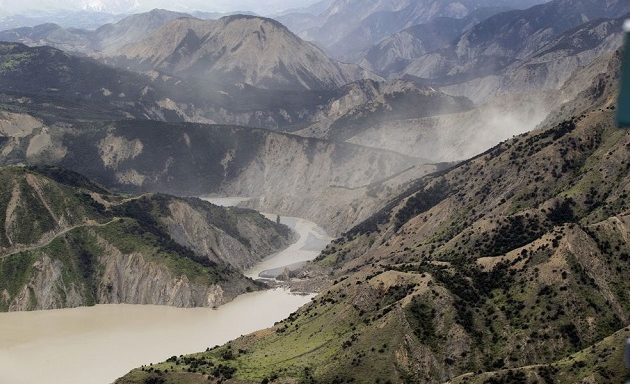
(429, 191)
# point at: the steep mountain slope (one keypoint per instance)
(111, 37)
(598, 363)
(39, 125)
(347, 27)
(76, 87)
(107, 38)
(67, 242)
(56, 85)
(238, 49)
(510, 263)
(459, 136)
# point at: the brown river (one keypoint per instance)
(96, 345)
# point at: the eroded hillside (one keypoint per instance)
(287, 174)
(67, 242)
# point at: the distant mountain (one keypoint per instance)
(111, 37)
(62, 86)
(234, 49)
(76, 87)
(392, 54)
(363, 105)
(237, 49)
(218, 15)
(67, 19)
(107, 38)
(549, 67)
(508, 37)
(67, 39)
(347, 27)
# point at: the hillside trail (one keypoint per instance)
(48, 239)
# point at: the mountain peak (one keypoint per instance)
(238, 49)
(262, 20)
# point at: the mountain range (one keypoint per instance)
(77, 19)
(238, 49)
(464, 155)
(106, 38)
(507, 268)
(234, 49)
(496, 48)
(346, 27)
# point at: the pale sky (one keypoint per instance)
(124, 6)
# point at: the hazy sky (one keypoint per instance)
(122, 6)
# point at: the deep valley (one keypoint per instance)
(374, 191)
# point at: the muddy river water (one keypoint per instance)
(98, 344)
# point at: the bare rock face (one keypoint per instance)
(324, 182)
(125, 279)
(130, 279)
(46, 288)
(189, 226)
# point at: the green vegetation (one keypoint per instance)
(13, 61)
(131, 236)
